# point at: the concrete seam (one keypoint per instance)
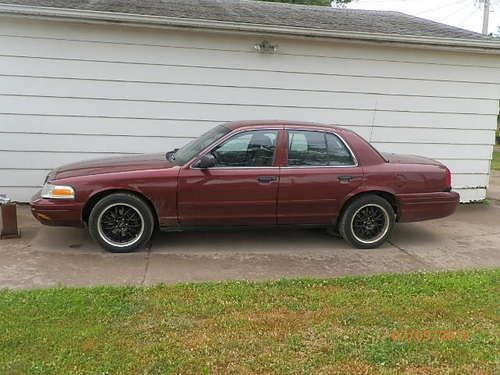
(411, 255)
(146, 266)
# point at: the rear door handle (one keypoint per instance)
(266, 179)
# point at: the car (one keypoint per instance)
(244, 175)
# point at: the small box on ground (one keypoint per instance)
(8, 224)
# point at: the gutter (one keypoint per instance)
(482, 46)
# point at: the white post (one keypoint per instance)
(486, 16)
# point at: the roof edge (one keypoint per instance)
(480, 46)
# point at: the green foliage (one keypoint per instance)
(352, 325)
(495, 163)
(339, 3)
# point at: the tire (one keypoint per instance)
(121, 223)
(367, 222)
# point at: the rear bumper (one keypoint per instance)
(426, 206)
(56, 213)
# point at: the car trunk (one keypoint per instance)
(410, 159)
(441, 183)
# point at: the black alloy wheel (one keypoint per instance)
(121, 222)
(370, 223)
(367, 222)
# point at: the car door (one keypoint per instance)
(320, 171)
(241, 189)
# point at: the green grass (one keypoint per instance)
(495, 163)
(346, 326)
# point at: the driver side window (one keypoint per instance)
(248, 149)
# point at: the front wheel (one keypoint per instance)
(121, 223)
(367, 222)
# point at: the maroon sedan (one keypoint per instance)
(266, 173)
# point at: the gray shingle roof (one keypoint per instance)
(267, 13)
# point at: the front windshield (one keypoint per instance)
(193, 148)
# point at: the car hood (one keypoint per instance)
(409, 159)
(112, 165)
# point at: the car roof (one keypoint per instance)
(279, 123)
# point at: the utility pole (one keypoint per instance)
(486, 16)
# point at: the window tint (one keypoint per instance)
(248, 149)
(338, 153)
(193, 148)
(311, 148)
(307, 148)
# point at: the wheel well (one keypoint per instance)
(387, 196)
(87, 209)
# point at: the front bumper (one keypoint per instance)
(426, 206)
(56, 212)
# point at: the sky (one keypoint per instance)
(467, 14)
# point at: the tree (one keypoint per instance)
(338, 3)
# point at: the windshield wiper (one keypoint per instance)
(171, 154)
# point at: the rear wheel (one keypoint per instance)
(121, 223)
(367, 222)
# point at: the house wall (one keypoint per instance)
(72, 91)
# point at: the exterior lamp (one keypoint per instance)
(266, 47)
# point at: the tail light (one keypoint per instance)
(448, 179)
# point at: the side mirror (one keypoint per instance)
(206, 161)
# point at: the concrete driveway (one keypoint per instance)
(47, 256)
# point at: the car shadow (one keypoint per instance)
(415, 234)
(281, 240)
(303, 242)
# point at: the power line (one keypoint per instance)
(496, 4)
(457, 10)
(438, 12)
(461, 22)
(387, 1)
(442, 6)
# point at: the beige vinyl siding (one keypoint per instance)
(73, 91)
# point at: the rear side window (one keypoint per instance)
(317, 149)
(338, 153)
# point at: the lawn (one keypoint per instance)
(495, 163)
(434, 323)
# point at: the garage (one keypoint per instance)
(89, 79)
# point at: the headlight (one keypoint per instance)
(58, 192)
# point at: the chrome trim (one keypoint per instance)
(353, 155)
(237, 168)
(283, 127)
(319, 166)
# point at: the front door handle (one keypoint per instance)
(345, 178)
(266, 179)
